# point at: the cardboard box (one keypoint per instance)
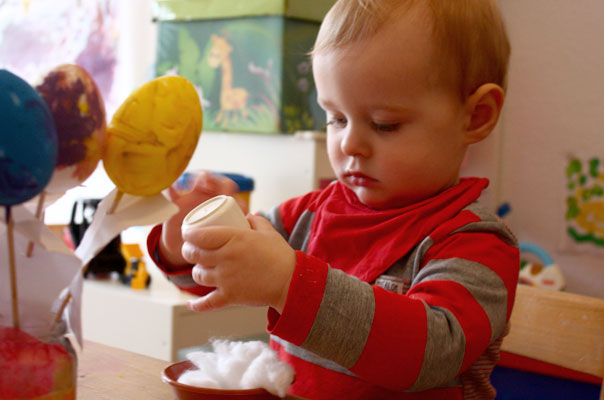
(249, 59)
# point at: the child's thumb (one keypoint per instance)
(259, 223)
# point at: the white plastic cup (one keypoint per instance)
(220, 210)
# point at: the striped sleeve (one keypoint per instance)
(336, 321)
(468, 299)
(458, 305)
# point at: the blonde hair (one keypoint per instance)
(471, 42)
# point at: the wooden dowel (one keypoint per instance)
(60, 311)
(12, 268)
(118, 197)
(64, 304)
(39, 208)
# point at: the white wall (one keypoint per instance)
(136, 51)
(282, 166)
(555, 106)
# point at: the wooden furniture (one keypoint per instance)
(559, 328)
(107, 373)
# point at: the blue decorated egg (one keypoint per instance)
(28, 141)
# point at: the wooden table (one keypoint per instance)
(109, 373)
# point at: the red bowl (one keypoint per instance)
(172, 372)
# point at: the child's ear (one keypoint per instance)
(483, 110)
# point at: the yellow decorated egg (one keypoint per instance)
(152, 136)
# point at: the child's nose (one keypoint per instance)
(354, 143)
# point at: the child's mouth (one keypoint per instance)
(359, 179)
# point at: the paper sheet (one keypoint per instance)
(131, 211)
(54, 271)
(35, 230)
(40, 278)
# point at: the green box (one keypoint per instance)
(249, 59)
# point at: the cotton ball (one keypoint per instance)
(239, 365)
(202, 358)
(205, 361)
(206, 374)
(243, 350)
(269, 372)
(233, 359)
(199, 379)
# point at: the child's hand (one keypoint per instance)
(206, 186)
(247, 267)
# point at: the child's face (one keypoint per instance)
(395, 135)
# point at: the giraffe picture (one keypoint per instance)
(253, 74)
(233, 101)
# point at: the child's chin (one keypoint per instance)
(379, 203)
(372, 201)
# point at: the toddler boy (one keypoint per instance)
(391, 283)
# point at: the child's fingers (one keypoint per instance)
(259, 223)
(228, 186)
(209, 237)
(190, 253)
(196, 255)
(209, 302)
(204, 276)
(214, 184)
(205, 183)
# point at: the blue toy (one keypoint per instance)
(545, 274)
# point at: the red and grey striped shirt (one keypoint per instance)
(409, 303)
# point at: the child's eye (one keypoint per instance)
(337, 122)
(386, 127)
